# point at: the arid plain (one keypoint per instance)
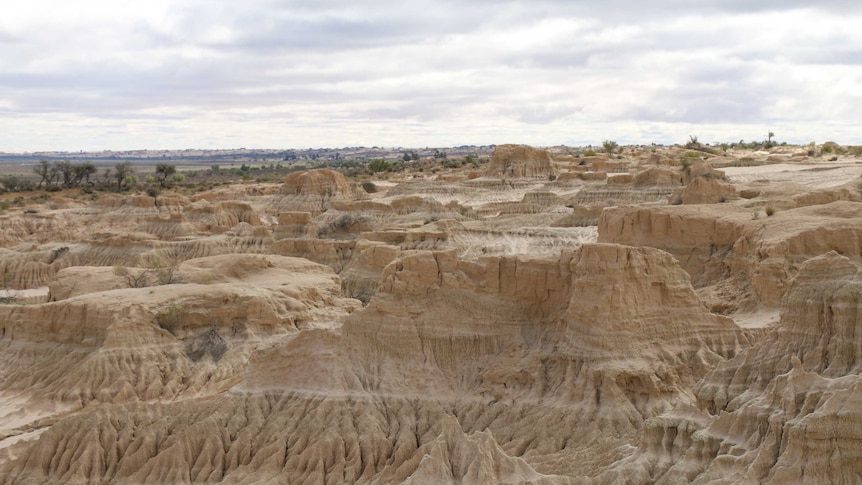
(647, 315)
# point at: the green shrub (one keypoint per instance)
(172, 318)
(377, 166)
(590, 153)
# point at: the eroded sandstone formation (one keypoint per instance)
(782, 411)
(660, 315)
(486, 337)
(520, 161)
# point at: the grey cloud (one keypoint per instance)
(432, 62)
(626, 9)
(325, 26)
(6, 38)
(845, 56)
(539, 114)
(698, 108)
(708, 93)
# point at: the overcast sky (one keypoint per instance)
(94, 75)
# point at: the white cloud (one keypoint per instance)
(151, 74)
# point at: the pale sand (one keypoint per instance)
(814, 175)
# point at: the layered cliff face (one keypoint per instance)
(752, 255)
(527, 321)
(785, 410)
(556, 358)
(313, 190)
(520, 161)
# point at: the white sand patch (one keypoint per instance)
(544, 242)
(33, 293)
(814, 175)
(7, 451)
(759, 319)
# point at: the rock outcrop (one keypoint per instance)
(313, 190)
(715, 243)
(704, 191)
(107, 341)
(783, 411)
(520, 161)
(490, 340)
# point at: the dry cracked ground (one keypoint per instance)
(660, 316)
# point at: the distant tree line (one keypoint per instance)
(63, 174)
(67, 175)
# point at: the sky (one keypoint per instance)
(157, 74)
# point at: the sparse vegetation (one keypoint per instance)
(172, 318)
(123, 175)
(14, 183)
(769, 209)
(63, 174)
(341, 225)
(609, 146)
(450, 163)
(133, 279)
(210, 343)
(161, 272)
(7, 293)
(377, 166)
(163, 171)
